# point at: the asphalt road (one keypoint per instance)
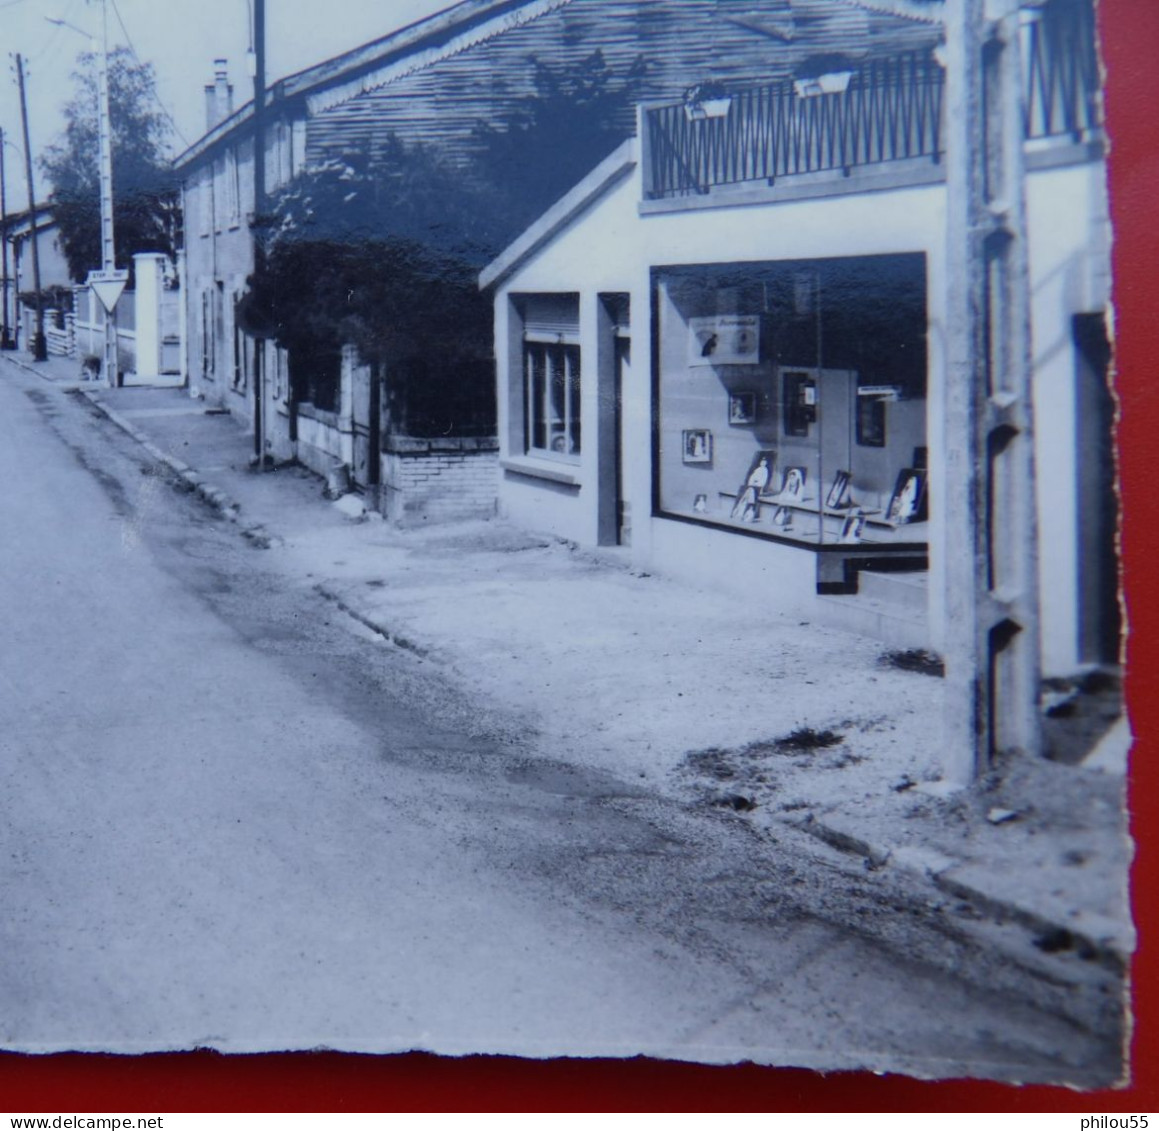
(226, 822)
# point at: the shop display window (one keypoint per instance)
(791, 398)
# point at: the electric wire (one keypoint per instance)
(156, 96)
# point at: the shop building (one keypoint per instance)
(725, 349)
(432, 84)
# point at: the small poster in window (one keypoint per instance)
(742, 408)
(697, 445)
(909, 495)
(724, 339)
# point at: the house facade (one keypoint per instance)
(726, 348)
(20, 229)
(434, 84)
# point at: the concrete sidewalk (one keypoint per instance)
(689, 692)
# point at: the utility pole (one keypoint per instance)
(259, 61)
(107, 283)
(112, 282)
(39, 342)
(991, 557)
(6, 342)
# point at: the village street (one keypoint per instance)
(226, 823)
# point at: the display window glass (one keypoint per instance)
(791, 398)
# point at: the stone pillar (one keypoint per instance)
(149, 269)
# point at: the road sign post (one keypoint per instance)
(108, 286)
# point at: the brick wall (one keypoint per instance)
(439, 480)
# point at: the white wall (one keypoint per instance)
(610, 247)
(1070, 271)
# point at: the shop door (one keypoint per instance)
(623, 364)
(1098, 508)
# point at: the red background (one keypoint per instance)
(333, 1082)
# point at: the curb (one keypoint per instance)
(1050, 935)
(35, 369)
(369, 622)
(230, 509)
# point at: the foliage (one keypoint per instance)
(555, 136)
(384, 255)
(146, 209)
(384, 252)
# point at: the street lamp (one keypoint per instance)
(107, 283)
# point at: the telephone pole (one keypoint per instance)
(39, 342)
(6, 342)
(259, 61)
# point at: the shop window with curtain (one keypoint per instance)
(791, 398)
(551, 376)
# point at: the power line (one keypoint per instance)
(156, 96)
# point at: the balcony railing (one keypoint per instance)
(890, 110)
(1061, 72)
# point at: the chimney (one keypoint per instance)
(218, 95)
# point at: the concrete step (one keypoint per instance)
(907, 591)
(876, 619)
(890, 607)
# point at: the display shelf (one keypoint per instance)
(885, 533)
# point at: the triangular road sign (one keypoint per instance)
(107, 286)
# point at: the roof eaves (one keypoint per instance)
(386, 69)
(436, 27)
(342, 69)
(612, 169)
(926, 11)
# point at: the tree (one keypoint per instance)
(556, 135)
(146, 205)
(383, 252)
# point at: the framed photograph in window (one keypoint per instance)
(696, 445)
(747, 507)
(838, 497)
(852, 528)
(908, 502)
(742, 408)
(793, 483)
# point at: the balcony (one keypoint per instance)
(884, 112)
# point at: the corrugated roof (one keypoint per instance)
(435, 79)
(736, 42)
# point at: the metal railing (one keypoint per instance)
(890, 110)
(1061, 72)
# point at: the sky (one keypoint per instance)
(181, 38)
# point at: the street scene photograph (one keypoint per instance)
(563, 528)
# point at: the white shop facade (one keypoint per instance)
(744, 388)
